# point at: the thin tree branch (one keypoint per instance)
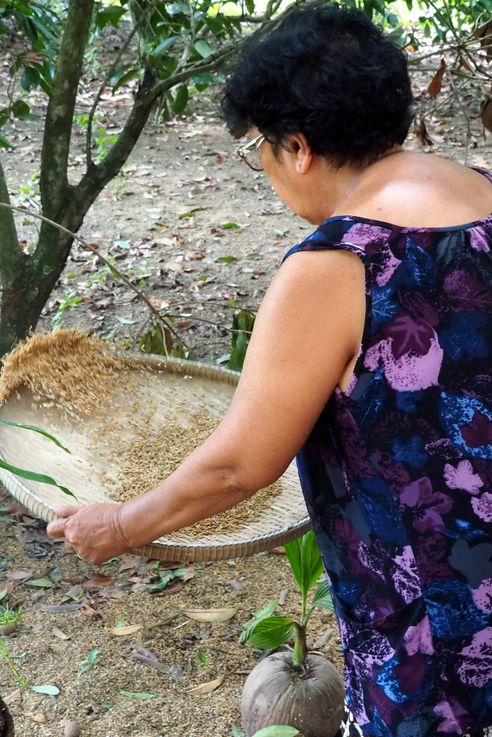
(97, 176)
(97, 98)
(88, 144)
(462, 45)
(59, 115)
(163, 323)
(11, 255)
(466, 115)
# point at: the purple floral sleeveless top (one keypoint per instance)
(397, 476)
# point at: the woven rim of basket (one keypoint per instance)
(179, 546)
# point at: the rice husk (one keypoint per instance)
(67, 369)
(79, 375)
(151, 456)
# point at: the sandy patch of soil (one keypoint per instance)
(189, 652)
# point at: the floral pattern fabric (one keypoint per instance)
(397, 476)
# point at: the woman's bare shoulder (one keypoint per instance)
(424, 190)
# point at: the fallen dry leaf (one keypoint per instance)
(127, 629)
(130, 562)
(420, 130)
(97, 581)
(11, 697)
(203, 688)
(279, 550)
(59, 633)
(159, 304)
(38, 717)
(486, 114)
(147, 657)
(435, 86)
(20, 575)
(194, 255)
(210, 615)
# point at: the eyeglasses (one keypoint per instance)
(250, 153)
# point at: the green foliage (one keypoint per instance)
(271, 632)
(277, 730)
(322, 597)
(176, 37)
(160, 341)
(39, 24)
(70, 300)
(89, 662)
(10, 616)
(440, 21)
(257, 617)
(268, 632)
(242, 325)
(305, 561)
(445, 20)
(7, 659)
(32, 475)
(34, 428)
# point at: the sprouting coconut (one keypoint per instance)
(296, 687)
(6, 723)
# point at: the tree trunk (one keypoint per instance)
(29, 287)
(8, 234)
(12, 263)
(27, 280)
(6, 723)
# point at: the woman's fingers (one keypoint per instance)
(61, 511)
(56, 528)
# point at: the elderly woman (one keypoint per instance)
(371, 359)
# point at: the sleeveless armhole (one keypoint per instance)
(330, 236)
(484, 172)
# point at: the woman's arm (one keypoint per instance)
(307, 331)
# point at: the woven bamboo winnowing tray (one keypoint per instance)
(167, 388)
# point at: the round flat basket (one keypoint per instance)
(152, 393)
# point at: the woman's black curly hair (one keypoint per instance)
(328, 73)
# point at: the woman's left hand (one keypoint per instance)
(92, 531)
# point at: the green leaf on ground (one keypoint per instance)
(229, 226)
(277, 730)
(190, 213)
(140, 695)
(41, 583)
(47, 689)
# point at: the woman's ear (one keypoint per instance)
(302, 151)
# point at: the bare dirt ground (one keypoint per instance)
(63, 623)
(201, 235)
